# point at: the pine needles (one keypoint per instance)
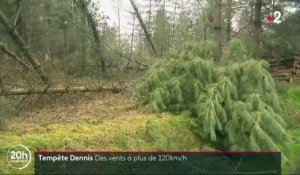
(235, 106)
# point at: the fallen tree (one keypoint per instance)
(58, 90)
(5, 50)
(23, 47)
(147, 33)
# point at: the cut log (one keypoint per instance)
(281, 76)
(280, 70)
(287, 79)
(59, 90)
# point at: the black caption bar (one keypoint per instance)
(66, 162)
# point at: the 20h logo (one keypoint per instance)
(19, 157)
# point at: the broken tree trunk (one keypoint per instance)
(14, 56)
(25, 49)
(148, 35)
(59, 90)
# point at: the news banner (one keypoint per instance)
(144, 162)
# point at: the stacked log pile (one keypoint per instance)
(285, 70)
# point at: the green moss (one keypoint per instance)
(293, 153)
(294, 96)
(122, 133)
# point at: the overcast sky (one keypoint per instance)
(110, 8)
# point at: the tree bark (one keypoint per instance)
(65, 41)
(59, 90)
(218, 29)
(25, 49)
(257, 21)
(148, 35)
(229, 12)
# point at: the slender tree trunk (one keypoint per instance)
(65, 41)
(83, 51)
(149, 17)
(131, 41)
(251, 19)
(119, 22)
(218, 29)
(204, 26)
(257, 21)
(132, 36)
(174, 24)
(229, 12)
(25, 49)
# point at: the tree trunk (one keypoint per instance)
(257, 22)
(14, 56)
(25, 49)
(173, 27)
(131, 41)
(229, 11)
(93, 25)
(65, 41)
(149, 17)
(59, 90)
(218, 29)
(204, 25)
(148, 35)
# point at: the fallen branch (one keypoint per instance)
(17, 15)
(59, 90)
(111, 66)
(129, 59)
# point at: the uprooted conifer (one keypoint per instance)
(233, 105)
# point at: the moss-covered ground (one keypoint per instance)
(105, 122)
(292, 117)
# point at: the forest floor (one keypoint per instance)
(292, 118)
(94, 122)
(112, 122)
